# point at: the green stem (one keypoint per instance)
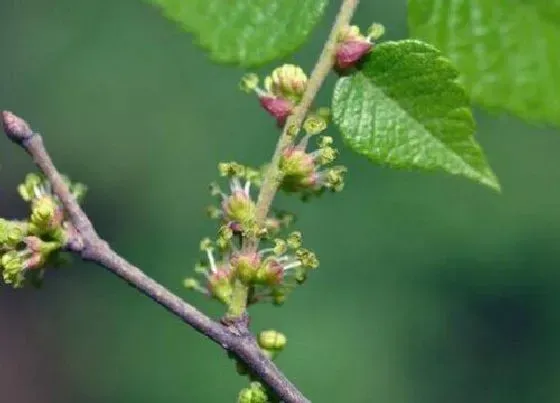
(316, 79)
(238, 303)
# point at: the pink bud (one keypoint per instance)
(34, 261)
(279, 108)
(33, 243)
(350, 52)
(271, 272)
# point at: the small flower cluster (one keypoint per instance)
(270, 273)
(271, 343)
(237, 209)
(306, 172)
(283, 90)
(353, 46)
(255, 393)
(28, 246)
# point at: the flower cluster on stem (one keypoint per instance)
(27, 247)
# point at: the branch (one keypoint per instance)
(318, 75)
(233, 337)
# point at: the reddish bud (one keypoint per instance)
(350, 52)
(279, 108)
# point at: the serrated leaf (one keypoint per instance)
(246, 32)
(405, 109)
(507, 51)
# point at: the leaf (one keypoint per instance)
(405, 109)
(246, 32)
(507, 51)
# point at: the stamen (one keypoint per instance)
(211, 260)
(292, 265)
(235, 185)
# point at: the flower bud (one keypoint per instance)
(253, 394)
(296, 165)
(220, 287)
(279, 108)
(352, 46)
(245, 266)
(28, 189)
(271, 340)
(238, 207)
(287, 81)
(270, 272)
(46, 214)
(13, 269)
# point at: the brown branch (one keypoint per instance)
(233, 337)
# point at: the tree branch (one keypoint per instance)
(318, 75)
(322, 68)
(233, 337)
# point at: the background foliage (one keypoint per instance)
(444, 290)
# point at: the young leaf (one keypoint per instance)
(507, 51)
(405, 109)
(246, 32)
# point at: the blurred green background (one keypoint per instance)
(431, 289)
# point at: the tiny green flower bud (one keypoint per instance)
(326, 155)
(307, 258)
(46, 214)
(293, 131)
(225, 234)
(270, 272)
(245, 266)
(220, 287)
(334, 178)
(206, 244)
(253, 394)
(376, 31)
(287, 81)
(271, 340)
(249, 82)
(245, 396)
(280, 247)
(239, 208)
(295, 163)
(29, 188)
(314, 124)
(231, 169)
(16, 263)
(294, 240)
(14, 235)
(191, 283)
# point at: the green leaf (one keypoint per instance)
(405, 109)
(507, 50)
(246, 32)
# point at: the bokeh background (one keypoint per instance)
(431, 289)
